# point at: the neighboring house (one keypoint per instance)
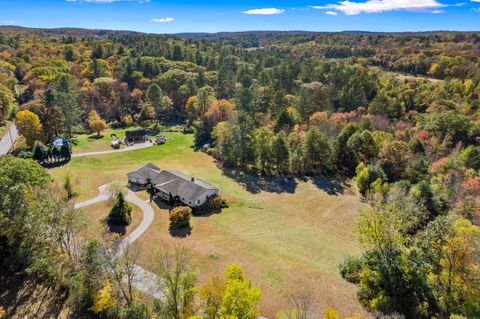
(60, 141)
(170, 185)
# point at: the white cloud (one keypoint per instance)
(332, 13)
(438, 11)
(264, 11)
(163, 20)
(11, 22)
(375, 6)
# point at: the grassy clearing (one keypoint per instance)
(96, 215)
(93, 143)
(290, 236)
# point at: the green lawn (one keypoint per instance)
(289, 235)
(93, 143)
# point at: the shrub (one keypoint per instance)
(25, 154)
(120, 213)
(350, 269)
(127, 120)
(216, 203)
(180, 217)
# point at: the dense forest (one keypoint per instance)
(398, 113)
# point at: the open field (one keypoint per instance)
(289, 235)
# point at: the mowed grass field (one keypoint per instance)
(94, 143)
(288, 235)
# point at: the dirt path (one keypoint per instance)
(129, 148)
(143, 280)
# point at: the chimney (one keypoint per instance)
(193, 179)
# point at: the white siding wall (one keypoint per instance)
(136, 179)
(204, 197)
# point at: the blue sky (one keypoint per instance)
(158, 16)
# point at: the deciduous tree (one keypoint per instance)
(29, 126)
(95, 123)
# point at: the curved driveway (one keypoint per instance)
(144, 280)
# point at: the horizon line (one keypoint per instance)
(238, 31)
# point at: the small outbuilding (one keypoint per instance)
(136, 135)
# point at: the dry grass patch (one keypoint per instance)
(97, 214)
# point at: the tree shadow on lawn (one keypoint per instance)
(118, 229)
(206, 212)
(180, 232)
(332, 185)
(253, 183)
(162, 204)
(256, 183)
(55, 164)
(24, 296)
(95, 137)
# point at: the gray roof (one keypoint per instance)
(178, 184)
(173, 182)
(148, 171)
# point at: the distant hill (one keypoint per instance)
(72, 32)
(228, 35)
(242, 39)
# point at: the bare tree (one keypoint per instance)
(120, 261)
(178, 281)
(301, 307)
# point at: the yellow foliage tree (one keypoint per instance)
(240, 298)
(127, 120)
(104, 299)
(7, 100)
(95, 123)
(211, 295)
(460, 265)
(29, 126)
(330, 313)
(318, 118)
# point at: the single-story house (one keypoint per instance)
(170, 185)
